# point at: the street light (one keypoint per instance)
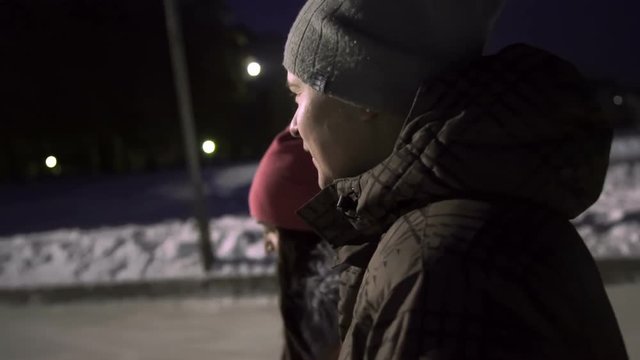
(618, 100)
(254, 69)
(209, 147)
(51, 161)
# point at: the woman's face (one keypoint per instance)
(271, 238)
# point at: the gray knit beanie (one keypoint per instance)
(375, 53)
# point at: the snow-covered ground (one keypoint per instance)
(165, 250)
(168, 249)
(611, 227)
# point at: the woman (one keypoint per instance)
(284, 181)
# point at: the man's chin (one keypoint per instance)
(323, 181)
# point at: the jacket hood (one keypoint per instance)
(520, 126)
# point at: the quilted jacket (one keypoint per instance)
(459, 245)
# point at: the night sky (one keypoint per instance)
(273, 17)
(602, 37)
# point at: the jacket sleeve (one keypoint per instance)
(421, 300)
(445, 312)
(447, 287)
(385, 304)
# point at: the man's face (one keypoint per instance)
(340, 137)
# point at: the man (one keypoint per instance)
(448, 181)
(284, 181)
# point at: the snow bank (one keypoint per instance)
(166, 250)
(611, 227)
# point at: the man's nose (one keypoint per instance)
(293, 127)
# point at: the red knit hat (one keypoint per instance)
(285, 180)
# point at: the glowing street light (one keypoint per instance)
(254, 69)
(51, 161)
(209, 147)
(618, 100)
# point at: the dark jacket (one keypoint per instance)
(458, 245)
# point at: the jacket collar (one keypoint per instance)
(515, 126)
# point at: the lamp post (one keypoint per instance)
(181, 79)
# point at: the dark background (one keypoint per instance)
(90, 81)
